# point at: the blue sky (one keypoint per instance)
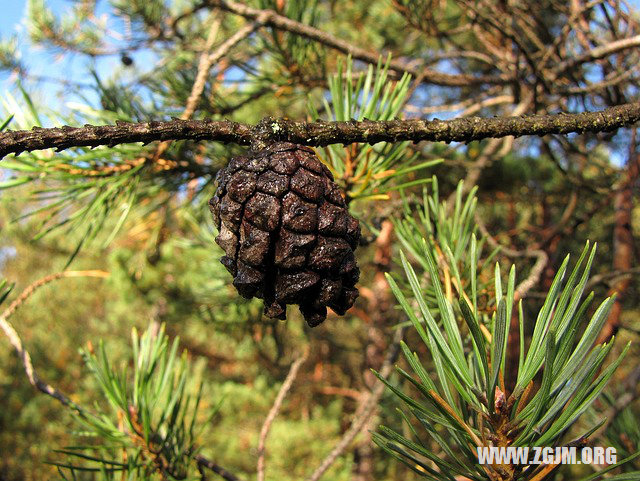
(47, 63)
(12, 14)
(72, 67)
(11, 23)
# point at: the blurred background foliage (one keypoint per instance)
(140, 213)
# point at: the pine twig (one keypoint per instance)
(29, 290)
(204, 65)
(275, 409)
(31, 373)
(280, 22)
(598, 53)
(536, 271)
(319, 133)
(364, 412)
(207, 60)
(219, 470)
(610, 277)
(16, 342)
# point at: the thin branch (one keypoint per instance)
(500, 99)
(219, 470)
(280, 22)
(204, 65)
(598, 53)
(207, 60)
(610, 277)
(536, 271)
(364, 412)
(16, 342)
(613, 78)
(273, 412)
(318, 133)
(467, 107)
(32, 375)
(29, 290)
(534, 275)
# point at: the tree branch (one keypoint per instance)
(598, 53)
(216, 468)
(16, 342)
(208, 59)
(364, 412)
(536, 271)
(273, 412)
(280, 22)
(318, 133)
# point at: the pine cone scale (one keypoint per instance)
(263, 211)
(299, 215)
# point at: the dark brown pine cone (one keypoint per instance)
(286, 232)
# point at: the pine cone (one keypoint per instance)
(286, 232)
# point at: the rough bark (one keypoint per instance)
(317, 133)
(280, 22)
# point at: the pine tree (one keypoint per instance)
(446, 349)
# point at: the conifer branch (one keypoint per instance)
(207, 60)
(318, 133)
(14, 338)
(364, 412)
(216, 468)
(280, 22)
(273, 412)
